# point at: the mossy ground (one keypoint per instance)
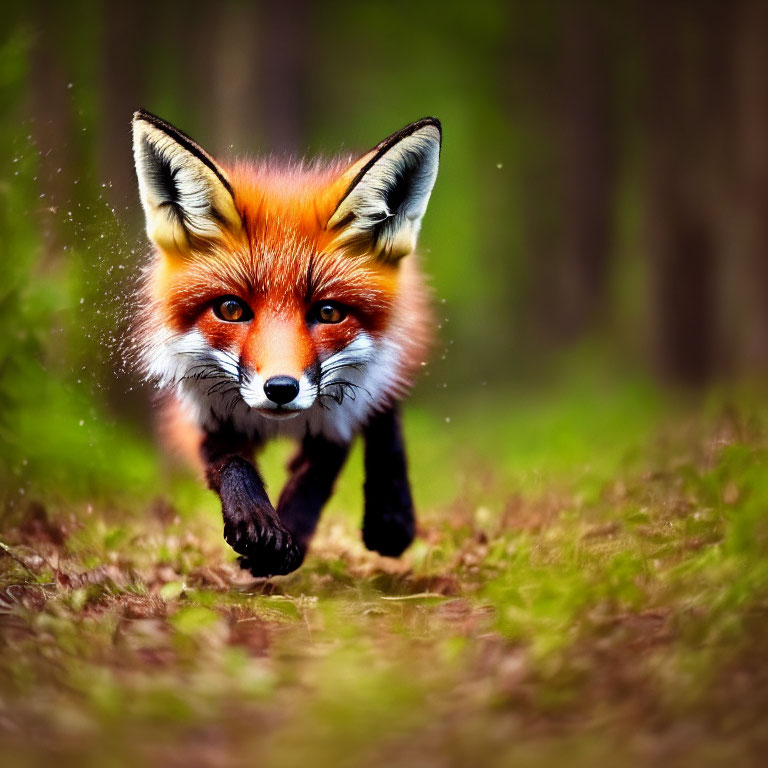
(590, 586)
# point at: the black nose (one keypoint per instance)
(281, 389)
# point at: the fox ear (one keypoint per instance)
(186, 196)
(381, 209)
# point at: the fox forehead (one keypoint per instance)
(298, 196)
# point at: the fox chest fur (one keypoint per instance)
(287, 301)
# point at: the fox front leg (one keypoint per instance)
(251, 525)
(314, 472)
(389, 524)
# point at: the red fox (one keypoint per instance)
(287, 300)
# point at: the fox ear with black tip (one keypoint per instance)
(186, 195)
(385, 193)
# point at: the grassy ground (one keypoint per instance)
(590, 586)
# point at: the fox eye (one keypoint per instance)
(328, 312)
(232, 310)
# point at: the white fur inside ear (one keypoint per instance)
(389, 201)
(181, 195)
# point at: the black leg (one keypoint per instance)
(251, 525)
(314, 469)
(389, 524)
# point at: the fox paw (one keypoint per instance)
(388, 531)
(266, 548)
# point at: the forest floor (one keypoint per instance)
(589, 586)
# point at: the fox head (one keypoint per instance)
(276, 289)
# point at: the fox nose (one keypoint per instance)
(281, 389)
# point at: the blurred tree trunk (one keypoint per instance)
(529, 93)
(750, 49)
(122, 80)
(197, 45)
(260, 75)
(284, 48)
(53, 124)
(561, 96)
(237, 117)
(684, 51)
(587, 167)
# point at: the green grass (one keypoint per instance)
(590, 585)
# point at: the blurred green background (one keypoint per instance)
(587, 446)
(599, 222)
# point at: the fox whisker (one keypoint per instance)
(222, 388)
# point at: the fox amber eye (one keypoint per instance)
(328, 312)
(232, 310)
